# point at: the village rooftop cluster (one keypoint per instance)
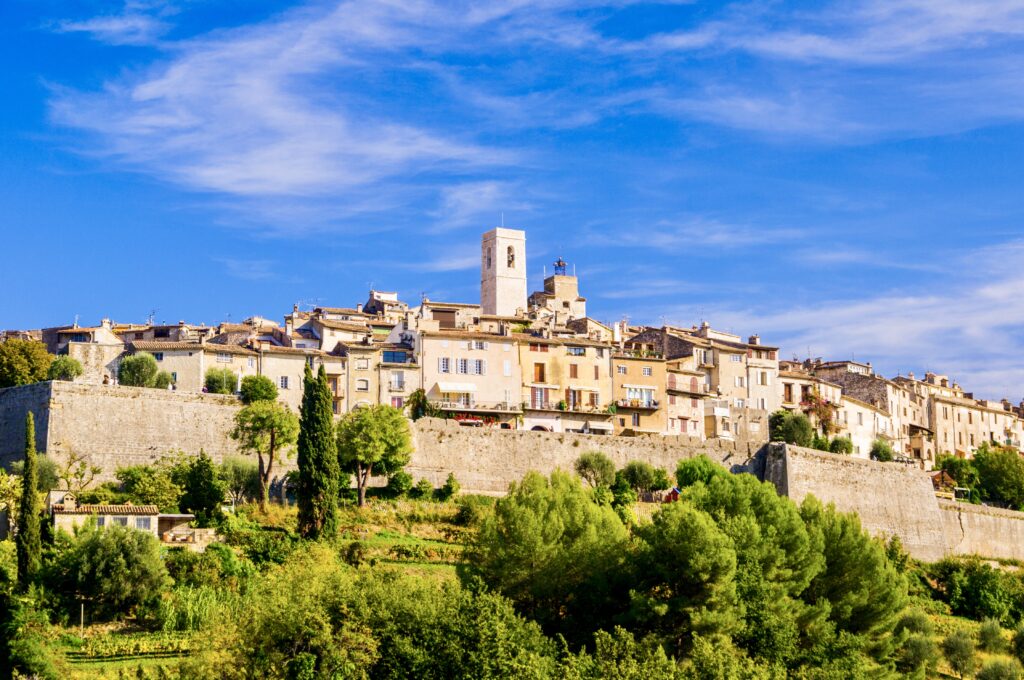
(539, 362)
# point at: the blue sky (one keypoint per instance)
(843, 178)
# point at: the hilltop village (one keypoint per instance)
(537, 361)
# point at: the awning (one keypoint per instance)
(641, 387)
(597, 425)
(583, 388)
(455, 387)
(542, 386)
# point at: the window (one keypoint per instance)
(762, 404)
(398, 402)
(595, 399)
(252, 362)
(597, 372)
(487, 258)
(479, 344)
(787, 392)
(223, 358)
(142, 523)
(393, 357)
(647, 371)
(538, 397)
(672, 399)
(444, 365)
(860, 417)
(159, 356)
(740, 381)
(101, 520)
(479, 367)
(620, 369)
(576, 351)
(397, 380)
(622, 422)
(538, 373)
(174, 376)
(283, 382)
(600, 352)
(537, 347)
(735, 358)
(574, 371)
(511, 257)
(693, 403)
(462, 366)
(740, 403)
(362, 385)
(362, 363)
(636, 420)
(506, 368)
(162, 333)
(120, 521)
(762, 378)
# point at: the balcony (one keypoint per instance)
(638, 404)
(477, 406)
(569, 408)
(396, 387)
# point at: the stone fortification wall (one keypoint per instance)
(980, 530)
(891, 499)
(15, 403)
(488, 460)
(115, 426)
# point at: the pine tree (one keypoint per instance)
(28, 541)
(317, 460)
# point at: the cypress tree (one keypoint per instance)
(28, 542)
(317, 460)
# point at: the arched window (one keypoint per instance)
(511, 257)
(693, 384)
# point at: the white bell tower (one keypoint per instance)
(503, 271)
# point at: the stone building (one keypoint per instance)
(503, 272)
(560, 299)
(639, 381)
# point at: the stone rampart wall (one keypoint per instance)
(487, 460)
(15, 403)
(891, 499)
(980, 530)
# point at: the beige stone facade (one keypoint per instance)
(503, 272)
(566, 384)
(639, 392)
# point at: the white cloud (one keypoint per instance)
(969, 325)
(247, 270)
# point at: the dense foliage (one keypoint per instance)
(268, 429)
(138, 370)
(373, 441)
(64, 367)
(23, 362)
(790, 427)
(257, 388)
(220, 381)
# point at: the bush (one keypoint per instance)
(990, 636)
(792, 428)
(64, 368)
(881, 450)
(700, 469)
(843, 445)
(958, 648)
(450, 488)
(640, 476)
(423, 489)
(115, 570)
(973, 588)
(596, 469)
(220, 381)
(1000, 669)
(820, 442)
(473, 509)
(138, 370)
(257, 388)
(399, 484)
(914, 621)
(163, 380)
(919, 652)
(23, 362)
(1017, 642)
(203, 491)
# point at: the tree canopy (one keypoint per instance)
(257, 388)
(64, 367)
(792, 428)
(596, 469)
(138, 370)
(23, 362)
(268, 429)
(373, 440)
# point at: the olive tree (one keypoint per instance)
(138, 370)
(373, 440)
(266, 428)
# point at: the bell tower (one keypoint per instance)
(503, 271)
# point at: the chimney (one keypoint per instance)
(105, 323)
(359, 307)
(754, 340)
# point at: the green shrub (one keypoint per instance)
(990, 636)
(257, 388)
(914, 621)
(450, 488)
(918, 653)
(64, 367)
(220, 381)
(163, 380)
(423, 489)
(596, 469)
(881, 450)
(399, 484)
(958, 648)
(1017, 642)
(138, 370)
(792, 428)
(843, 445)
(473, 509)
(1000, 669)
(974, 589)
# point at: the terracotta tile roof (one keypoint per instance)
(342, 325)
(218, 348)
(158, 346)
(571, 341)
(106, 510)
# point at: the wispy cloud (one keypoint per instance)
(247, 270)
(699, 235)
(967, 326)
(140, 22)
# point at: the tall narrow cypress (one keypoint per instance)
(28, 542)
(318, 459)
